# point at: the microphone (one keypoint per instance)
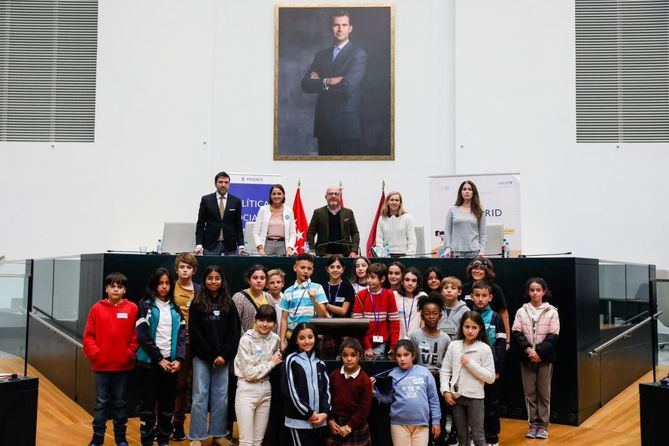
(341, 242)
(568, 253)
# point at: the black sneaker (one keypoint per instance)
(178, 434)
(96, 441)
(452, 439)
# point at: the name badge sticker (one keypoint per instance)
(425, 346)
(418, 381)
(121, 315)
(340, 299)
(377, 339)
(217, 312)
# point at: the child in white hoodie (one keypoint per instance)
(257, 355)
(467, 366)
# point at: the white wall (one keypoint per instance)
(515, 102)
(185, 89)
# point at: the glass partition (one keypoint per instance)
(624, 293)
(56, 290)
(662, 293)
(14, 285)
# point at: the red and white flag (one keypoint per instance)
(371, 240)
(301, 223)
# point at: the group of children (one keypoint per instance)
(449, 356)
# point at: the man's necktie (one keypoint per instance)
(335, 51)
(221, 209)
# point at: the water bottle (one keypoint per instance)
(159, 246)
(306, 248)
(507, 248)
(246, 248)
(386, 249)
(503, 250)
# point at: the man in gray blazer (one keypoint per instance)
(332, 229)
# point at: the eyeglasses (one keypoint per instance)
(336, 194)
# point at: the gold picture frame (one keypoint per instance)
(365, 117)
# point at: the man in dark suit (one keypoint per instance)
(219, 221)
(334, 228)
(336, 75)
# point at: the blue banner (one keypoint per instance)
(253, 190)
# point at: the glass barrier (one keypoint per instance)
(662, 293)
(14, 284)
(56, 290)
(624, 293)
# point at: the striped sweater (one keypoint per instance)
(381, 310)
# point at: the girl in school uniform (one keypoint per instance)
(351, 399)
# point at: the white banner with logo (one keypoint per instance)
(253, 190)
(500, 199)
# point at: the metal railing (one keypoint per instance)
(56, 330)
(624, 334)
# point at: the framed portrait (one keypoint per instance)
(334, 82)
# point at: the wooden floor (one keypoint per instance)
(60, 421)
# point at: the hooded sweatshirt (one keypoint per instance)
(253, 362)
(110, 342)
(450, 320)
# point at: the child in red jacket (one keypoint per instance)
(110, 344)
(378, 305)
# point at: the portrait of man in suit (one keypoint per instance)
(333, 97)
(336, 76)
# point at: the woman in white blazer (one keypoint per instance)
(274, 227)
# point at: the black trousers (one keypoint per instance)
(158, 390)
(308, 437)
(441, 440)
(491, 424)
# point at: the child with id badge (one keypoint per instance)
(414, 404)
(303, 300)
(378, 305)
(257, 356)
(110, 344)
(214, 329)
(340, 295)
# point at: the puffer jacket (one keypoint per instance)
(537, 328)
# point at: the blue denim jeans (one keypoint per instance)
(111, 390)
(210, 390)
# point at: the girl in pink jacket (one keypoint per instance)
(535, 330)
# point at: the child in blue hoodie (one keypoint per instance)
(414, 401)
